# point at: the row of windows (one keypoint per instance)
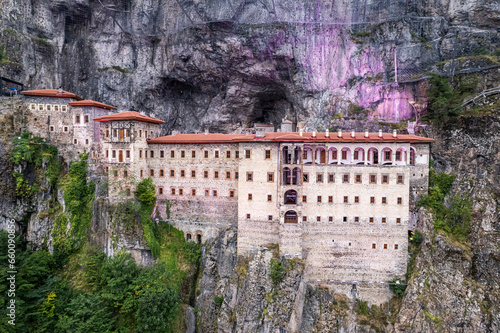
(193, 192)
(345, 219)
(78, 119)
(191, 173)
(356, 199)
(206, 154)
(126, 132)
(346, 178)
(48, 107)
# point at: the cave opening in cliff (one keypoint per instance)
(271, 107)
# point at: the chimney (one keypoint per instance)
(340, 133)
(353, 134)
(206, 131)
(327, 133)
(152, 115)
(379, 133)
(175, 132)
(301, 132)
(142, 113)
(60, 90)
(314, 134)
(395, 134)
(366, 134)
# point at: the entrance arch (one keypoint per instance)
(291, 216)
(291, 197)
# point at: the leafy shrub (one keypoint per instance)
(145, 192)
(396, 287)
(219, 300)
(417, 237)
(277, 271)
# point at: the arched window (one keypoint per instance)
(345, 155)
(400, 158)
(359, 156)
(291, 197)
(286, 176)
(287, 155)
(373, 156)
(296, 176)
(188, 236)
(307, 155)
(333, 156)
(320, 157)
(387, 156)
(296, 155)
(291, 216)
(412, 156)
(198, 238)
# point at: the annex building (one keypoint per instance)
(341, 201)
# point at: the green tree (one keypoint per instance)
(156, 310)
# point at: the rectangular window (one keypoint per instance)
(356, 199)
(237, 154)
(228, 174)
(334, 155)
(385, 179)
(205, 174)
(172, 191)
(319, 178)
(344, 219)
(305, 178)
(270, 177)
(236, 175)
(269, 217)
(115, 132)
(398, 155)
(374, 246)
(193, 192)
(318, 218)
(160, 190)
(216, 174)
(248, 216)
(152, 172)
(107, 153)
(398, 220)
(65, 128)
(162, 154)
(268, 154)
(331, 178)
(214, 193)
(247, 153)
(344, 154)
(387, 155)
(231, 194)
(183, 173)
(400, 179)
(319, 199)
(345, 178)
(207, 193)
(127, 133)
(384, 220)
(304, 198)
(140, 133)
(216, 154)
(357, 179)
(372, 219)
(396, 246)
(181, 191)
(330, 218)
(269, 197)
(87, 142)
(127, 153)
(330, 199)
(162, 173)
(141, 173)
(400, 201)
(86, 119)
(346, 199)
(356, 154)
(77, 119)
(113, 154)
(384, 200)
(356, 219)
(140, 153)
(193, 173)
(385, 246)
(304, 218)
(373, 179)
(228, 154)
(249, 196)
(193, 153)
(64, 108)
(107, 133)
(183, 153)
(172, 154)
(372, 200)
(249, 176)
(205, 154)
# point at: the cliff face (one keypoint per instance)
(228, 64)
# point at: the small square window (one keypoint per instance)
(319, 199)
(86, 141)
(216, 154)
(181, 191)
(231, 194)
(172, 154)
(249, 196)
(193, 173)
(228, 154)
(248, 216)
(330, 199)
(385, 246)
(398, 220)
(357, 179)
(65, 128)
(384, 200)
(236, 175)
(162, 173)
(305, 177)
(268, 154)
(52, 128)
(356, 219)
(269, 198)
(249, 176)
(172, 191)
(269, 217)
(372, 219)
(193, 192)
(304, 198)
(374, 246)
(214, 193)
(183, 153)
(345, 178)
(372, 200)
(396, 246)
(75, 141)
(373, 179)
(205, 174)
(152, 172)
(400, 201)
(248, 153)
(330, 218)
(216, 174)
(331, 178)
(237, 154)
(304, 218)
(172, 173)
(400, 179)
(228, 174)
(64, 108)
(205, 154)
(344, 219)
(183, 173)
(77, 119)
(384, 220)
(270, 177)
(86, 119)
(319, 178)
(140, 153)
(385, 179)
(162, 154)
(346, 199)
(207, 193)
(318, 218)
(152, 154)
(356, 199)
(160, 190)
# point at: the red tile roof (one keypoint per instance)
(129, 115)
(290, 137)
(89, 102)
(50, 93)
